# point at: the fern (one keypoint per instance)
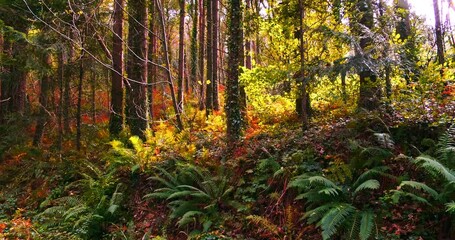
(264, 223)
(366, 224)
(434, 167)
(420, 186)
(334, 218)
(450, 207)
(333, 206)
(193, 194)
(371, 184)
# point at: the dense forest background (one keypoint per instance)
(226, 119)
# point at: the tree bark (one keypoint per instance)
(201, 54)
(116, 108)
(194, 47)
(137, 67)
(209, 83)
(216, 103)
(43, 101)
(168, 67)
(79, 103)
(370, 92)
(153, 56)
(438, 32)
(235, 42)
(303, 81)
(181, 66)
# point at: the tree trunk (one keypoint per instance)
(194, 47)
(168, 67)
(181, 66)
(303, 81)
(370, 92)
(201, 54)
(209, 83)
(60, 73)
(93, 97)
(248, 63)
(67, 89)
(438, 31)
(79, 103)
(216, 103)
(235, 42)
(43, 100)
(137, 67)
(116, 108)
(153, 56)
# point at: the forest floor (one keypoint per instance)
(111, 189)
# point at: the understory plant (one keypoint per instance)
(346, 209)
(194, 195)
(346, 206)
(438, 189)
(85, 207)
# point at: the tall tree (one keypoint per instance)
(235, 42)
(201, 78)
(438, 32)
(116, 116)
(303, 81)
(194, 45)
(181, 67)
(409, 55)
(215, 32)
(137, 66)
(168, 65)
(45, 81)
(209, 83)
(370, 92)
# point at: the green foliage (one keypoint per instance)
(88, 205)
(440, 175)
(194, 195)
(264, 88)
(335, 206)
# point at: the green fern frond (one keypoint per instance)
(372, 173)
(75, 211)
(334, 218)
(322, 180)
(366, 224)
(432, 165)
(398, 194)
(354, 228)
(329, 191)
(371, 184)
(450, 207)
(316, 214)
(420, 186)
(188, 217)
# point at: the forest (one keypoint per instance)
(227, 119)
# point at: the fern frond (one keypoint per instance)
(398, 194)
(329, 191)
(450, 207)
(75, 211)
(420, 186)
(366, 224)
(354, 229)
(334, 218)
(371, 184)
(371, 173)
(188, 217)
(263, 223)
(432, 165)
(316, 214)
(322, 180)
